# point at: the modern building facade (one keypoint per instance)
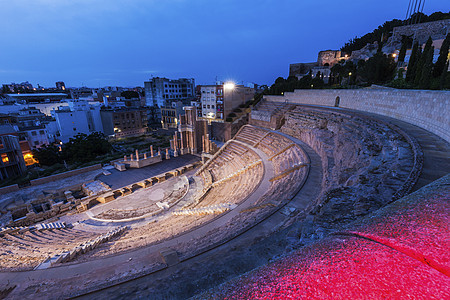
(170, 114)
(161, 91)
(218, 101)
(78, 117)
(124, 122)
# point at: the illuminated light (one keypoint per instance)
(350, 74)
(229, 86)
(5, 158)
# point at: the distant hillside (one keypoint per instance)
(382, 32)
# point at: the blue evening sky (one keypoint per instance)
(124, 42)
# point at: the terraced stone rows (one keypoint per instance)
(27, 250)
(359, 156)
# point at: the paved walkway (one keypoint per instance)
(119, 179)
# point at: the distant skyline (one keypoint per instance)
(100, 43)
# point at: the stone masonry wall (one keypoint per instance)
(427, 109)
(64, 175)
(419, 32)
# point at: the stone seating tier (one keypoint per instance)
(30, 248)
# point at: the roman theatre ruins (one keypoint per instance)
(313, 170)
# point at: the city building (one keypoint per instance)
(17, 87)
(31, 123)
(60, 85)
(36, 97)
(82, 92)
(124, 122)
(170, 114)
(218, 101)
(30, 126)
(78, 117)
(159, 91)
(12, 162)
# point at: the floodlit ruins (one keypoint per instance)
(301, 168)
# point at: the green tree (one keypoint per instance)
(406, 43)
(129, 94)
(84, 148)
(378, 69)
(444, 82)
(424, 66)
(427, 67)
(317, 83)
(412, 65)
(439, 66)
(47, 155)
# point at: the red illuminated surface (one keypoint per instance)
(401, 252)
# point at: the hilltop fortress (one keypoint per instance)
(437, 30)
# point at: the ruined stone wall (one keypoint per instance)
(301, 68)
(330, 57)
(427, 109)
(65, 175)
(9, 189)
(419, 32)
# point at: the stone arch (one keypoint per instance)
(337, 101)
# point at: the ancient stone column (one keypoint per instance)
(181, 142)
(167, 153)
(207, 143)
(145, 155)
(131, 157)
(137, 154)
(203, 144)
(151, 150)
(125, 158)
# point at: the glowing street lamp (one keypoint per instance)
(229, 86)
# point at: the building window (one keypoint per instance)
(74, 129)
(41, 132)
(36, 143)
(33, 133)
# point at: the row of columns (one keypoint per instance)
(136, 156)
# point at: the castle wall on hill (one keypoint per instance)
(419, 32)
(427, 109)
